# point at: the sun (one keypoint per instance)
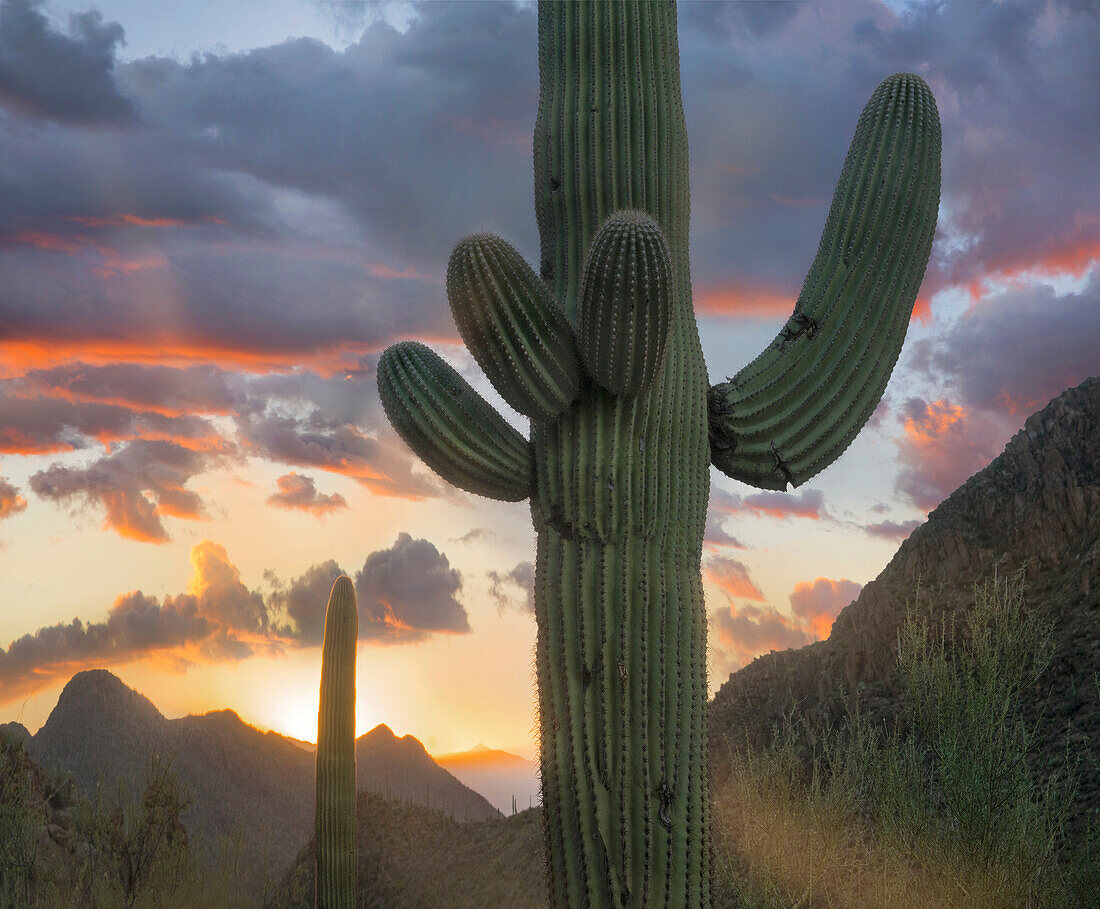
(296, 714)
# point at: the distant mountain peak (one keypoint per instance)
(481, 747)
(225, 716)
(104, 690)
(99, 680)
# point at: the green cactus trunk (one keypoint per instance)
(621, 490)
(337, 858)
(602, 353)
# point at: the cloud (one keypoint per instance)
(816, 603)
(743, 632)
(137, 625)
(407, 592)
(142, 388)
(222, 598)
(892, 530)
(304, 601)
(136, 487)
(505, 584)
(67, 78)
(750, 20)
(10, 500)
(942, 445)
(478, 534)
(384, 467)
(1017, 350)
(1020, 132)
(716, 536)
(32, 423)
(299, 492)
(810, 503)
(732, 578)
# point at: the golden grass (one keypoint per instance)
(790, 848)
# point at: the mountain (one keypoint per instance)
(1037, 505)
(497, 775)
(401, 769)
(411, 857)
(241, 779)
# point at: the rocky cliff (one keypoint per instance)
(1036, 506)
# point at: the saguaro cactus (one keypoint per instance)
(335, 819)
(601, 351)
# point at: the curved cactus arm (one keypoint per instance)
(625, 305)
(796, 408)
(450, 426)
(511, 323)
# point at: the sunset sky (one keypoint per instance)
(215, 215)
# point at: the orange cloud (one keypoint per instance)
(10, 500)
(298, 492)
(49, 242)
(942, 444)
(742, 633)
(732, 578)
(138, 221)
(1074, 258)
(20, 355)
(922, 309)
(810, 503)
(817, 603)
(925, 427)
(743, 300)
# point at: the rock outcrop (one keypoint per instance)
(1037, 506)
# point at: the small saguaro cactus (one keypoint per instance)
(601, 351)
(335, 819)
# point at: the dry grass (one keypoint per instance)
(947, 816)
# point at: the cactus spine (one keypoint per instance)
(335, 819)
(617, 467)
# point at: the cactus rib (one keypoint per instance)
(337, 864)
(625, 306)
(450, 426)
(618, 470)
(511, 323)
(796, 408)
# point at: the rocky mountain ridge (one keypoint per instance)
(1036, 506)
(241, 778)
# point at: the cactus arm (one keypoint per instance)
(625, 307)
(511, 323)
(336, 819)
(450, 426)
(795, 409)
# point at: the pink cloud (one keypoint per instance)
(298, 492)
(942, 444)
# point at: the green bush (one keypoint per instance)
(945, 799)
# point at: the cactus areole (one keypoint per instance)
(337, 863)
(601, 351)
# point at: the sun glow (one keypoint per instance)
(296, 714)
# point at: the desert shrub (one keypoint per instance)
(940, 810)
(21, 815)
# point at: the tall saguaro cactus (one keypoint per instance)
(601, 351)
(335, 819)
